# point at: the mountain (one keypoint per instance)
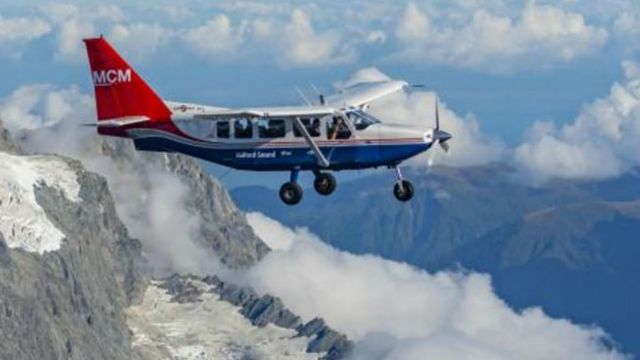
(143, 184)
(68, 268)
(75, 284)
(568, 246)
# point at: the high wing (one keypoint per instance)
(363, 93)
(271, 112)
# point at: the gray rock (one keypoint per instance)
(6, 141)
(68, 304)
(222, 227)
(267, 309)
(325, 339)
(181, 291)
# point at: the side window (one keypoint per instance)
(337, 129)
(312, 125)
(222, 129)
(271, 128)
(242, 129)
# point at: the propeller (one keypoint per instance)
(440, 136)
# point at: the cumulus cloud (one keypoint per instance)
(22, 29)
(541, 35)
(149, 200)
(489, 36)
(395, 311)
(294, 43)
(302, 45)
(603, 141)
(72, 23)
(139, 39)
(18, 31)
(216, 37)
(35, 106)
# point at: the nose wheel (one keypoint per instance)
(324, 183)
(403, 189)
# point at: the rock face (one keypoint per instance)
(6, 141)
(69, 303)
(143, 182)
(261, 311)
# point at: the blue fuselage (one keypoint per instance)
(287, 155)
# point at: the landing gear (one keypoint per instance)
(291, 192)
(403, 189)
(325, 183)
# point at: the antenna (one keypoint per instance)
(437, 115)
(304, 98)
(320, 96)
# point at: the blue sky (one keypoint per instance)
(512, 66)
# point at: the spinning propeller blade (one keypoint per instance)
(440, 136)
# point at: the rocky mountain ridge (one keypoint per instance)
(84, 294)
(69, 303)
(260, 311)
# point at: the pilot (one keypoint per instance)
(338, 129)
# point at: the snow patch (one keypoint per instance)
(23, 222)
(207, 329)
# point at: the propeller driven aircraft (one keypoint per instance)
(336, 134)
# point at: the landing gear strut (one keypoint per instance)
(403, 189)
(291, 192)
(325, 183)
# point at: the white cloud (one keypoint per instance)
(139, 38)
(22, 29)
(295, 43)
(36, 106)
(603, 141)
(542, 35)
(302, 45)
(69, 39)
(489, 36)
(216, 37)
(396, 311)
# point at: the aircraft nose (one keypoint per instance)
(441, 135)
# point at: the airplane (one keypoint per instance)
(336, 134)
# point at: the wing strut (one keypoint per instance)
(322, 161)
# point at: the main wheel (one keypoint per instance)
(290, 193)
(325, 183)
(403, 190)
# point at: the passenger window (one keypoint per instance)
(222, 129)
(271, 128)
(337, 129)
(312, 126)
(242, 129)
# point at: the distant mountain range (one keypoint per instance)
(571, 247)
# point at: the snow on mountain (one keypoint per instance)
(205, 327)
(23, 222)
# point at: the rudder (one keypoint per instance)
(119, 91)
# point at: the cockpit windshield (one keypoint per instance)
(361, 120)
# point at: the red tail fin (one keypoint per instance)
(120, 91)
